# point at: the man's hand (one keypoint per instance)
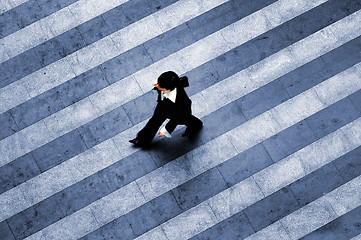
(160, 134)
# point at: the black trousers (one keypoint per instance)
(147, 134)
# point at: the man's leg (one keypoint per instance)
(193, 124)
(146, 135)
(171, 125)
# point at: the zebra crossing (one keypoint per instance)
(105, 100)
(280, 100)
(206, 94)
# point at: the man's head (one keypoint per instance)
(168, 81)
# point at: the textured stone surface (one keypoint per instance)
(276, 84)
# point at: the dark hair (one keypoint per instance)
(168, 80)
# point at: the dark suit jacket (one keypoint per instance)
(178, 112)
(182, 105)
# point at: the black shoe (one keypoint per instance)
(135, 141)
(139, 143)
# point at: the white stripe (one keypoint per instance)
(251, 190)
(203, 158)
(317, 213)
(62, 70)
(358, 237)
(97, 53)
(155, 233)
(55, 24)
(37, 236)
(114, 95)
(6, 5)
(201, 108)
(277, 230)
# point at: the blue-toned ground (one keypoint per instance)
(276, 84)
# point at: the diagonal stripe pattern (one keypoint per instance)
(7, 5)
(207, 93)
(276, 83)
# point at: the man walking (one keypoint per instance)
(173, 104)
